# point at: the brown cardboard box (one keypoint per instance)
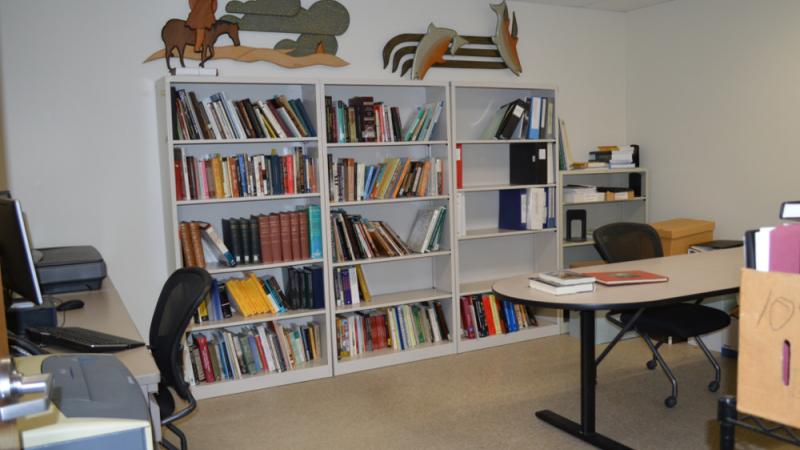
(627, 195)
(768, 371)
(677, 235)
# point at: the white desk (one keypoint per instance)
(690, 276)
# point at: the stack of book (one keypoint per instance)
(264, 348)
(355, 237)
(617, 156)
(527, 209)
(215, 176)
(562, 282)
(362, 119)
(485, 315)
(350, 286)
(394, 178)
(262, 239)
(217, 117)
(398, 327)
(524, 118)
(576, 193)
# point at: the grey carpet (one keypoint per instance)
(478, 400)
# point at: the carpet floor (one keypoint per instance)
(478, 400)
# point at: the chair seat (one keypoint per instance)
(682, 320)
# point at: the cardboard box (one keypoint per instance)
(677, 235)
(626, 195)
(768, 371)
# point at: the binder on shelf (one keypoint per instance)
(512, 209)
(528, 164)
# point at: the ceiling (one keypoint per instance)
(606, 5)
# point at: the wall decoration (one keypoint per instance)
(429, 49)
(316, 26)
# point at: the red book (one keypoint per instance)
(205, 358)
(288, 174)
(275, 238)
(261, 355)
(466, 318)
(294, 230)
(487, 309)
(305, 251)
(178, 166)
(459, 168)
(264, 240)
(627, 277)
(286, 235)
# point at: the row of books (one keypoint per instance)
(575, 193)
(527, 209)
(393, 178)
(304, 290)
(362, 119)
(215, 176)
(524, 118)
(350, 286)
(616, 156)
(398, 327)
(264, 348)
(485, 315)
(217, 117)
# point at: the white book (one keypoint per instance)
(360, 167)
(355, 295)
(234, 117)
(554, 289)
(390, 317)
(387, 117)
(272, 120)
(222, 116)
(762, 248)
(199, 71)
(232, 355)
(262, 336)
(188, 373)
(434, 118)
(288, 121)
(212, 119)
(431, 227)
(437, 336)
(566, 277)
(419, 231)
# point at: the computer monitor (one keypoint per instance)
(16, 259)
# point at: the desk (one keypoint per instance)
(690, 276)
(104, 311)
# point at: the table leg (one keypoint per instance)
(586, 429)
(726, 414)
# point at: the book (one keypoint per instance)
(566, 277)
(622, 277)
(556, 289)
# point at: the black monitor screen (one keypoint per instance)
(16, 261)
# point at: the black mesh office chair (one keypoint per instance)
(179, 299)
(618, 242)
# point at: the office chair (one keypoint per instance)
(180, 297)
(619, 242)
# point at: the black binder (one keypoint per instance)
(527, 163)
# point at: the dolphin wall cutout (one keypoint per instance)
(441, 47)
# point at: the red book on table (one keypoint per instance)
(627, 277)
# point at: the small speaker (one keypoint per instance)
(576, 225)
(635, 183)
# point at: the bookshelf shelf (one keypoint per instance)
(397, 298)
(216, 268)
(239, 320)
(385, 144)
(505, 141)
(393, 258)
(602, 171)
(546, 328)
(388, 356)
(486, 233)
(390, 200)
(246, 199)
(302, 372)
(244, 141)
(628, 200)
(501, 187)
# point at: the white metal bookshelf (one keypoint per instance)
(215, 209)
(486, 253)
(401, 280)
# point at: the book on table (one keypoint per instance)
(566, 277)
(621, 277)
(557, 289)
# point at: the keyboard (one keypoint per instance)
(81, 339)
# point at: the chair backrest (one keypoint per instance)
(626, 241)
(180, 297)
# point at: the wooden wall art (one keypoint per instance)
(316, 44)
(431, 49)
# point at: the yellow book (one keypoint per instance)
(216, 170)
(387, 176)
(362, 284)
(312, 338)
(402, 175)
(250, 296)
(259, 294)
(202, 310)
(236, 295)
(495, 314)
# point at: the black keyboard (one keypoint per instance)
(81, 339)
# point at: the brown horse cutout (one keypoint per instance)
(177, 35)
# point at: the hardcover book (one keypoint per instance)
(627, 277)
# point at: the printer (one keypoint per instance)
(69, 269)
(95, 403)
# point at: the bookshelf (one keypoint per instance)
(213, 210)
(399, 281)
(485, 253)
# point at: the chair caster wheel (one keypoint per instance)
(713, 386)
(671, 401)
(651, 364)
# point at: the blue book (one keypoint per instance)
(298, 104)
(510, 215)
(534, 117)
(368, 177)
(223, 356)
(398, 316)
(318, 287)
(511, 317)
(274, 295)
(314, 231)
(345, 282)
(242, 175)
(550, 196)
(216, 302)
(251, 340)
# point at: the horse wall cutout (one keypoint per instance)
(430, 49)
(317, 26)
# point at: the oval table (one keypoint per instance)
(690, 276)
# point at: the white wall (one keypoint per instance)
(713, 99)
(80, 107)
